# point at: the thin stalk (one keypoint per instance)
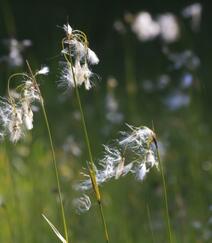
(16, 199)
(169, 231)
(92, 169)
(150, 223)
(56, 171)
(53, 155)
(9, 224)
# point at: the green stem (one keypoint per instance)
(92, 172)
(52, 150)
(169, 233)
(150, 223)
(9, 224)
(16, 199)
(56, 170)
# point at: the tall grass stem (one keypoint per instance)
(92, 171)
(169, 231)
(53, 156)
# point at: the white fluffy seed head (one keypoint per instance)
(43, 71)
(27, 115)
(151, 159)
(81, 57)
(92, 57)
(141, 172)
(15, 125)
(67, 29)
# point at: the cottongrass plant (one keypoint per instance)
(135, 152)
(76, 72)
(16, 116)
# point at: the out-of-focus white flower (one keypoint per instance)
(72, 146)
(177, 100)
(16, 48)
(193, 11)
(82, 204)
(145, 27)
(186, 59)
(169, 27)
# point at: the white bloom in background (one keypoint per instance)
(193, 11)
(16, 48)
(169, 28)
(82, 203)
(145, 27)
(113, 114)
(185, 59)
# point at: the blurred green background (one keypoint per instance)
(139, 83)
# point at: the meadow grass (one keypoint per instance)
(133, 210)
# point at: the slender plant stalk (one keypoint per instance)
(169, 231)
(16, 199)
(56, 172)
(150, 223)
(91, 164)
(9, 224)
(53, 156)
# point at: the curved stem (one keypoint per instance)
(9, 81)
